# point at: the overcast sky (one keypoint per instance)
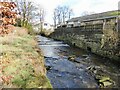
(78, 6)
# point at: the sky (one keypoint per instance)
(78, 6)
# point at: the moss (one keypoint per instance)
(105, 43)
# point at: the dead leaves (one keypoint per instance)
(21, 63)
(6, 79)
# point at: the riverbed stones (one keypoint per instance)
(100, 76)
(104, 81)
(84, 56)
(48, 68)
(72, 58)
(93, 69)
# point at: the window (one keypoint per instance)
(45, 24)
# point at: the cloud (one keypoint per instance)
(78, 6)
(49, 6)
(96, 6)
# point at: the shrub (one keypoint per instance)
(25, 24)
(18, 22)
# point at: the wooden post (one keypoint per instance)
(118, 24)
(104, 23)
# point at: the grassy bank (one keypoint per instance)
(21, 62)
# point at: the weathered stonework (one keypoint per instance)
(101, 38)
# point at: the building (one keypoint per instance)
(45, 27)
(93, 19)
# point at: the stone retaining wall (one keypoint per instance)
(104, 42)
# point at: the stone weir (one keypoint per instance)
(98, 33)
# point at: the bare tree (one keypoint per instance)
(70, 13)
(55, 18)
(25, 9)
(61, 13)
(65, 12)
(40, 15)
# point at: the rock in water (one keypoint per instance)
(71, 58)
(48, 67)
(105, 81)
(84, 56)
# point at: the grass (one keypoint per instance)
(21, 66)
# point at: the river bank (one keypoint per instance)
(71, 67)
(21, 61)
(103, 44)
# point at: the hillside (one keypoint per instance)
(21, 62)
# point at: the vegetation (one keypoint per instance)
(61, 13)
(21, 66)
(30, 13)
(7, 16)
(115, 13)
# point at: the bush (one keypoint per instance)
(25, 24)
(29, 27)
(18, 23)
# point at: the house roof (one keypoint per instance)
(109, 14)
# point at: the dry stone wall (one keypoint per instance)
(104, 42)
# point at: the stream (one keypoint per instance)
(70, 67)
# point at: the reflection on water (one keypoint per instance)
(67, 74)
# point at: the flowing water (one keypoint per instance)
(74, 73)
